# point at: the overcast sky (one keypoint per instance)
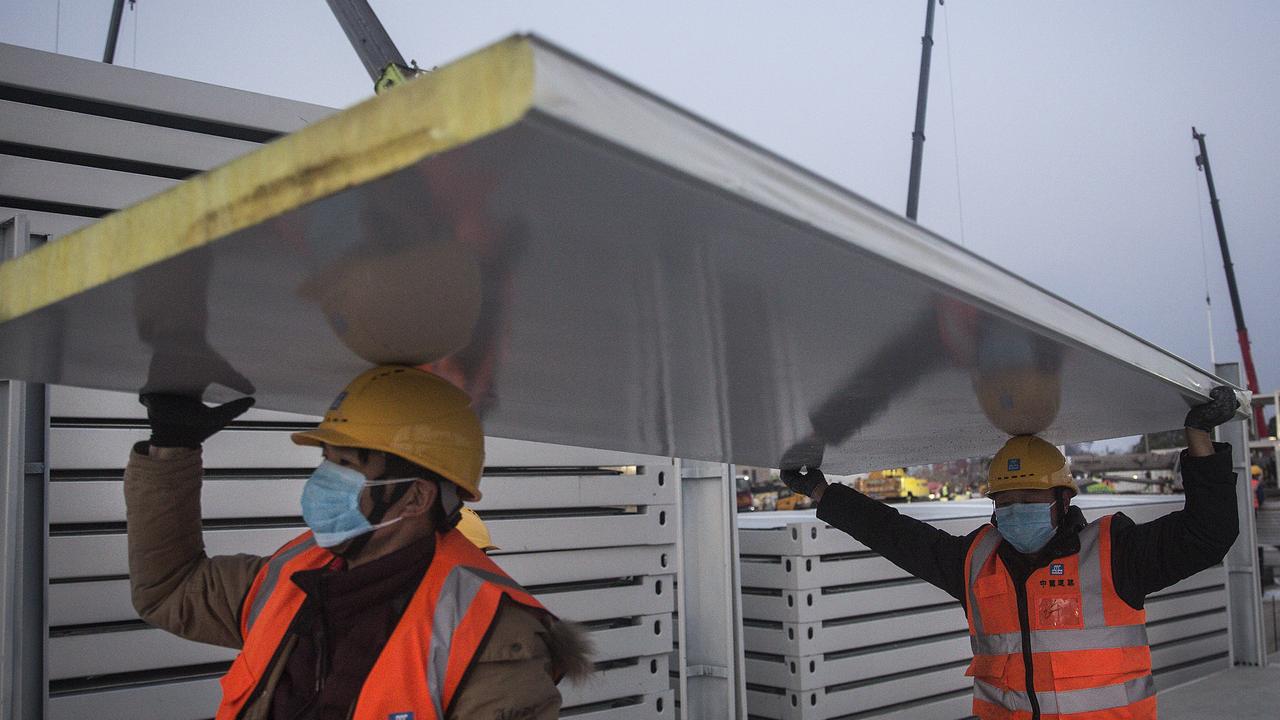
(1065, 156)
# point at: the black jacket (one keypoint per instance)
(1145, 558)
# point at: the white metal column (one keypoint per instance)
(24, 475)
(713, 681)
(1244, 604)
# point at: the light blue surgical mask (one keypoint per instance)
(1026, 526)
(331, 503)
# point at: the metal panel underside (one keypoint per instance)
(608, 272)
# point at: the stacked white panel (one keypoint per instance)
(590, 533)
(833, 630)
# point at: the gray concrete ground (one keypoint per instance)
(1236, 694)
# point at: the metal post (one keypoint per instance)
(23, 528)
(922, 101)
(714, 682)
(113, 32)
(1244, 602)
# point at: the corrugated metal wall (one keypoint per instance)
(591, 533)
(833, 629)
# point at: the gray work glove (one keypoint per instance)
(1221, 408)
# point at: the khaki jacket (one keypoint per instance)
(177, 587)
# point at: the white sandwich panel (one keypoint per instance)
(644, 675)
(97, 554)
(107, 137)
(822, 637)
(87, 602)
(1190, 626)
(617, 274)
(192, 699)
(276, 495)
(98, 448)
(100, 554)
(645, 707)
(1190, 649)
(578, 565)
(102, 501)
(109, 189)
(799, 573)
(813, 672)
(198, 698)
(44, 74)
(948, 682)
(1180, 674)
(828, 604)
(74, 655)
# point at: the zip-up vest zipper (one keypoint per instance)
(1024, 624)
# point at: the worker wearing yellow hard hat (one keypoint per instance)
(1041, 572)
(339, 620)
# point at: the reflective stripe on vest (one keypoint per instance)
(1064, 702)
(274, 565)
(460, 588)
(1062, 640)
(983, 548)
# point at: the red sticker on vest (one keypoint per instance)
(1059, 612)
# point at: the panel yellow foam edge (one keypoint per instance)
(473, 97)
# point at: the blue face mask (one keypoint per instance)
(331, 503)
(1026, 526)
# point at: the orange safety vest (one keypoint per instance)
(1089, 655)
(417, 675)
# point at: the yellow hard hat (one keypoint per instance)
(1255, 470)
(410, 413)
(473, 527)
(1028, 463)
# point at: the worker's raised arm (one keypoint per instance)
(1154, 555)
(935, 556)
(174, 585)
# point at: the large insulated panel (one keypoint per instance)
(595, 266)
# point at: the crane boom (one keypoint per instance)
(1242, 333)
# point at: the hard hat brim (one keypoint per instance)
(320, 436)
(1029, 486)
(325, 436)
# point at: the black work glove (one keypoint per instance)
(807, 454)
(1221, 408)
(804, 483)
(184, 421)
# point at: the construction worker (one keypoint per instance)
(382, 609)
(1055, 603)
